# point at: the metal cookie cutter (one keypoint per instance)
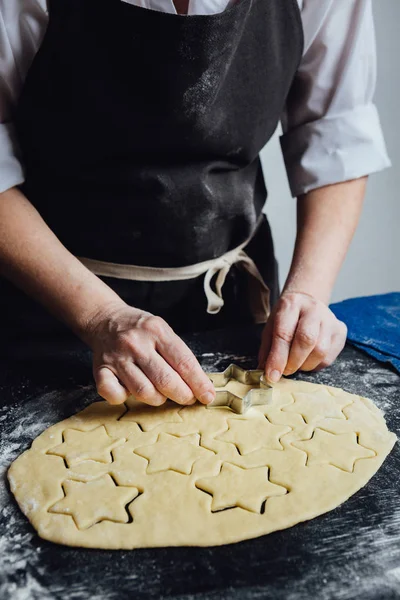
(256, 396)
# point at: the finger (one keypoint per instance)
(266, 342)
(305, 340)
(167, 381)
(108, 386)
(183, 361)
(139, 385)
(337, 344)
(285, 324)
(321, 350)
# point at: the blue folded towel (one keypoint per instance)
(374, 325)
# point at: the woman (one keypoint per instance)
(131, 140)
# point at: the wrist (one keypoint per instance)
(101, 315)
(316, 289)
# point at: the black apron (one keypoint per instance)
(140, 134)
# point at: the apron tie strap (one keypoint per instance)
(259, 299)
(258, 289)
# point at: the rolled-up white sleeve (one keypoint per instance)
(11, 171)
(332, 131)
(22, 26)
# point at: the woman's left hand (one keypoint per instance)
(302, 333)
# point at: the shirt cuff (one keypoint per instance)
(334, 149)
(11, 172)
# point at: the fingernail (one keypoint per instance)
(274, 376)
(207, 398)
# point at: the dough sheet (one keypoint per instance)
(133, 476)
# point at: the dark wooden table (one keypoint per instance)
(351, 552)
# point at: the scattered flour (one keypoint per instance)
(19, 556)
(217, 361)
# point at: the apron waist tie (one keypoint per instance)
(219, 267)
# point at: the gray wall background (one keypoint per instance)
(372, 265)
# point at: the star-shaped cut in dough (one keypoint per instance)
(339, 450)
(253, 434)
(86, 445)
(237, 487)
(316, 406)
(94, 501)
(148, 417)
(173, 453)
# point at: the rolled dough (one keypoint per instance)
(133, 476)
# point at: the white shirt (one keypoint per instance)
(331, 127)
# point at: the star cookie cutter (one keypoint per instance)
(255, 397)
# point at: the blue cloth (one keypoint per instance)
(374, 325)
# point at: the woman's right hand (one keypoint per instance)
(137, 353)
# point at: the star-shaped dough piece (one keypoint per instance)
(339, 450)
(317, 406)
(86, 445)
(173, 453)
(94, 501)
(245, 488)
(198, 419)
(253, 434)
(238, 388)
(149, 417)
